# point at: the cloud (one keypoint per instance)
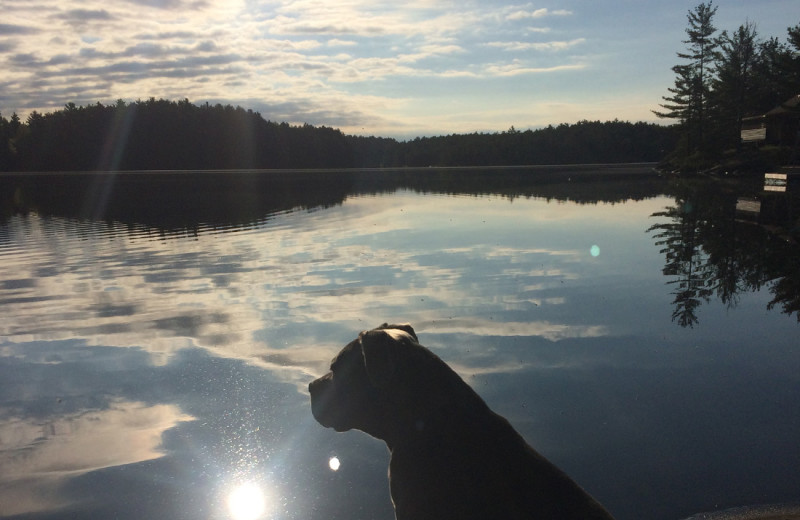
(537, 46)
(336, 42)
(24, 59)
(287, 26)
(301, 111)
(180, 35)
(83, 15)
(439, 49)
(537, 13)
(171, 4)
(285, 54)
(518, 68)
(80, 19)
(7, 29)
(206, 46)
(521, 15)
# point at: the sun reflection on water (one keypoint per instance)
(247, 501)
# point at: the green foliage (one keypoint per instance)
(734, 85)
(723, 80)
(10, 130)
(688, 102)
(167, 135)
(582, 143)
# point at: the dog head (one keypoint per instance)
(384, 383)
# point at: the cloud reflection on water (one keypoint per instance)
(543, 329)
(283, 297)
(228, 325)
(119, 287)
(48, 451)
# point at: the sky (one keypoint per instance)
(369, 67)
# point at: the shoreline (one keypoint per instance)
(578, 169)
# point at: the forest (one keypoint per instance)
(159, 134)
(723, 78)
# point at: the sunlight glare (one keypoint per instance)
(334, 463)
(247, 502)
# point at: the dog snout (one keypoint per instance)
(318, 385)
(320, 400)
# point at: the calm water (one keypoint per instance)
(157, 336)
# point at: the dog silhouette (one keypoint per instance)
(451, 456)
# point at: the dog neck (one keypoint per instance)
(429, 429)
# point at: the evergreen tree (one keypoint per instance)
(794, 37)
(167, 135)
(793, 60)
(772, 82)
(5, 143)
(689, 99)
(734, 87)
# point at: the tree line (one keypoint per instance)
(723, 78)
(163, 135)
(158, 134)
(584, 142)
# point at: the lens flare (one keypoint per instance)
(594, 250)
(334, 463)
(247, 502)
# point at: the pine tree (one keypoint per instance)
(793, 60)
(689, 100)
(735, 83)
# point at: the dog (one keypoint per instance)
(451, 456)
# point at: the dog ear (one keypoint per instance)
(380, 356)
(405, 327)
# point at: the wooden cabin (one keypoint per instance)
(779, 126)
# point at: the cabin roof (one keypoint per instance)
(790, 105)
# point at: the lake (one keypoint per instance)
(159, 330)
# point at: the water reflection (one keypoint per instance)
(247, 501)
(711, 252)
(39, 454)
(168, 204)
(153, 360)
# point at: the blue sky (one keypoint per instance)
(399, 69)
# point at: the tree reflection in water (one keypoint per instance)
(711, 252)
